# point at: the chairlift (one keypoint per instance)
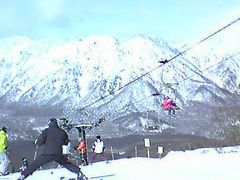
(174, 107)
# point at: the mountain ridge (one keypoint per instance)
(98, 74)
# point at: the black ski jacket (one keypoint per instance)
(53, 138)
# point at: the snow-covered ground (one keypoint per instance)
(200, 164)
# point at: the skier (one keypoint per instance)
(66, 149)
(169, 105)
(66, 153)
(4, 161)
(82, 150)
(98, 148)
(53, 138)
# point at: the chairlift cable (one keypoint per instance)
(225, 59)
(163, 63)
(177, 83)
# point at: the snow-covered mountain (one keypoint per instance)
(85, 79)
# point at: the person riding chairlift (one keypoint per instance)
(169, 105)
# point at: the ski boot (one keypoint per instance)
(21, 177)
(81, 176)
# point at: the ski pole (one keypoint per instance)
(35, 153)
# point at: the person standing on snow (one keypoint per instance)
(4, 161)
(66, 150)
(82, 150)
(53, 138)
(98, 148)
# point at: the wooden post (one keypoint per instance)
(147, 145)
(148, 152)
(160, 151)
(136, 151)
(112, 153)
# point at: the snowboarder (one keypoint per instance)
(98, 148)
(4, 161)
(53, 138)
(169, 105)
(82, 151)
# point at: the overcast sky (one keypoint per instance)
(173, 20)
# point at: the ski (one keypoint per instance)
(92, 177)
(101, 177)
(4, 178)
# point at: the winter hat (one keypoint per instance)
(52, 121)
(98, 137)
(4, 129)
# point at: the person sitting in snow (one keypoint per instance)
(53, 138)
(169, 105)
(98, 148)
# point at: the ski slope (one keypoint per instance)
(200, 164)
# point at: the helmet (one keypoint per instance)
(52, 121)
(4, 129)
(98, 137)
